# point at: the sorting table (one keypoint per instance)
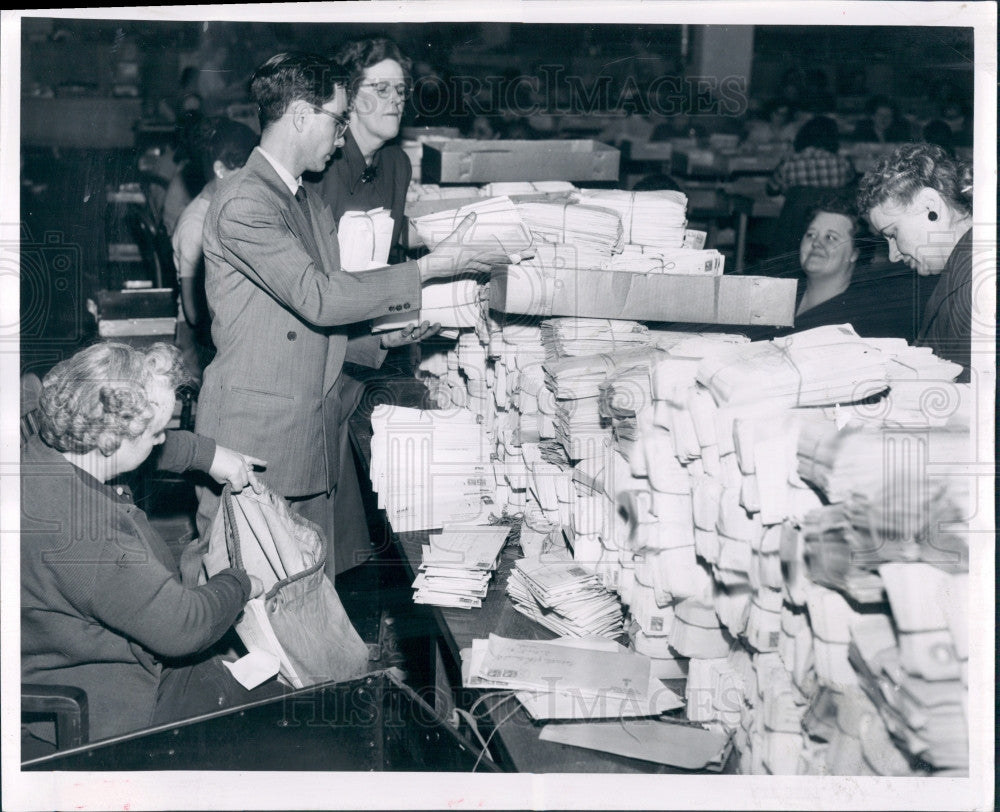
(514, 740)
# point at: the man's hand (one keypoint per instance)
(236, 469)
(455, 255)
(409, 335)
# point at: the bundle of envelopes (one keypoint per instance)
(686, 261)
(498, 226)
(568, 678)
(430, 467)
(565, 597)
(457, 565)
(454, 305)
(576, 224)
(570, 336)
(364, 238)
(654, 218)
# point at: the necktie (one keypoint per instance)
(300, 195)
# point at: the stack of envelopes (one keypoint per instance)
(566, 597)
(458, 564)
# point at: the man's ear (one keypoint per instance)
(218, 169)
(299, 109)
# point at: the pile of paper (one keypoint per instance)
(520, 187)
(597, 228)
(571, 337)
(457, 565)
(648, 218)
(365, 238)
(498, 226)
(432, 191)
(430, 467)
(565, 597)
(568, 678)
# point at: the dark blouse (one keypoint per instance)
(947, 323)
(881, 302)
(344, 188)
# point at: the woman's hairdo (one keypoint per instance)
(357, 55)
(901, 174)
(287, 77)
(97, 398)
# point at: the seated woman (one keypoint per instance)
(774, 126)
(884, 124)
(102, 605)
(838, 288)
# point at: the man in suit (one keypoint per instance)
(285, 316)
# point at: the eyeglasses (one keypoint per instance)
(342, 123)
(403, 89)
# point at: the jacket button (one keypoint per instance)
(406, 306)
(292, 335)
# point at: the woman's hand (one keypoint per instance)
(458, 253)
(256, 586)
(410, 335)
(236, 469)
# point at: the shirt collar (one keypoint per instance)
(293, 184)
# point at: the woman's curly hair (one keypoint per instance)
(97, 398)
(912, 167)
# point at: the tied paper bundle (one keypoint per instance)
(430, 468)
(569, 701)
(455, 305)
(432, 191)
(593, 227)
(573, 337)
(498, 226)
(678, 261)
(812, 368)
(901, 486)
(564, 596)
(519, 187)
(916, 683)
(655, 218)
(458, 564)
(365, 239)
(551, 257)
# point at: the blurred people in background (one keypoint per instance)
(956, 114)
(883, 123)
(816, 162)
(225, 147)
(774, 125)
(938, 132)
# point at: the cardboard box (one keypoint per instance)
(470, 161)
(744, 300)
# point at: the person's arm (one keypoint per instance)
(257, 240)
(183, 451)
(135, 594)
(776, 183)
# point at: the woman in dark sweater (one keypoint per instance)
(102, 605)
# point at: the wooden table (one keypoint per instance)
(515, 744)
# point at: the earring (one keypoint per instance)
(932, 216)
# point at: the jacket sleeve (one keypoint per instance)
(258, 241)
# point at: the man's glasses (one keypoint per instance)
(403, 89)
(342, 123)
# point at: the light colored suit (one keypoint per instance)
(282, 311)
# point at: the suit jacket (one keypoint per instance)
(282, 311)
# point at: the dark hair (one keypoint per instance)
(771, 106)
(819, 132)
(938, 132)
(357, 55)
(288, 77)
(912, 167)
(840, 202)
(228, 141)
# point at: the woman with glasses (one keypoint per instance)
(370, 172)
